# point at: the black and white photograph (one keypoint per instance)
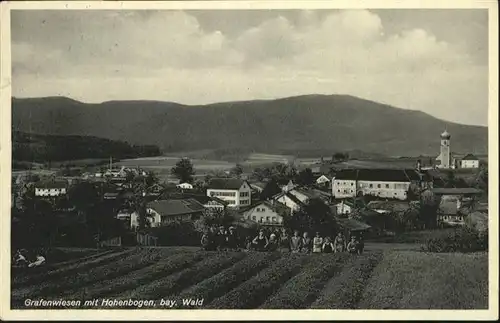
(192, 156)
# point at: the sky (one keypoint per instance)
(432, 60)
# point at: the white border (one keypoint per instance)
(5, 168)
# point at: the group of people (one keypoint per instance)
(280, 241)
(20, 259)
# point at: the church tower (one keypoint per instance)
(445, 150)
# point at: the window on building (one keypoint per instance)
(274, 219)
(268, 219)
(379, 186)
(386, 185)
(352, 184)
(371, 185)
(338, 191)
(254, 218)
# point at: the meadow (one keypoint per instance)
(248, 280)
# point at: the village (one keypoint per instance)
(130, 206)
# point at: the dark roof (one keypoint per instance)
(203, 199)
(226, 183)
(448, 208)
(470, 157)
(276, 207)
(381, 175)
(451, 191)
(290, 196)
(352, 224)
(176, 207)
(51, 184)
(396, 206)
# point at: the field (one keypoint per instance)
(240, 280)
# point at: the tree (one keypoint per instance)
(237, 170)
(305, 177)
(183, 170)
(271, 189)
(315, 216)
(151, 179)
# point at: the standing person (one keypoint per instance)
(327, 246)
(221, 239)
(317, 243)
(284, 241)
(272, 244)
(205, 241)
(339, 243)
(306, 243)
(232, 239)
(212, 238)
(260, 242)
(295, 242)
(361, 241)
(248, 243)
(352, 247)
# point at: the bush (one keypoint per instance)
(463, 239)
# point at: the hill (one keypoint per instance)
(251, 280)
(41, 148)
(326, 123)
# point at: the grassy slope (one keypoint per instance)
(414, 280)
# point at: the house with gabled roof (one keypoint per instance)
(289, 200)
(166, 211)
(51, 188)
(383, 183)
(267, 213)
(237, 192)
(468, 161)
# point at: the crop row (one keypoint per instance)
(68, 284)
(345, 290)
(254, 291)
(56, 272)
(302, 290)
(230, 278)
(145, 275)
(173, 284)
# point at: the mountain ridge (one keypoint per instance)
(316, 121)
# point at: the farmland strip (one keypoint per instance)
(301, 290)
(230, 278)
(68, 284)
(174, 283)
(146, 275)
(56, 274)
(254, 291)
(345, 290)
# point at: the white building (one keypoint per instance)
(266, 213)
(383, 183)
(469, 161)
(322, 180)
(185, 186)
(236, 192)
(51, 188)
